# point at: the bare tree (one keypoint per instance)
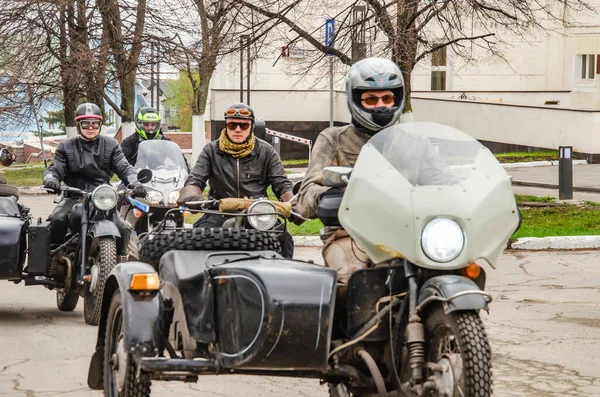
(409, 31)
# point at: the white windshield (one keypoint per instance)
(159, 154)
(428, 153)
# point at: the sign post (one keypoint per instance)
(329, 42)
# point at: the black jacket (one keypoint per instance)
(131, 144)
(249, 176)
(86, 165)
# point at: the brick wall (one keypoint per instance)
(182, 139)
(28, 150)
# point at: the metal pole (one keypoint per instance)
(151, 75)
(330, 91)
(565, 172)
(158, 85)
(241, 69)
(248, 72)
(37, 124)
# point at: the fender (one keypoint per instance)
(103, 228)
(448, 285)
(142, 319)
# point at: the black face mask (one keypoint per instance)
(382, 115)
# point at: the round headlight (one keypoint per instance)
(268, 218)
(104, 197)
(154, 197)
(173, 196)
(442, 239)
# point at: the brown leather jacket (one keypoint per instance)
(335, 146)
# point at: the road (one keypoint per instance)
(544, 329)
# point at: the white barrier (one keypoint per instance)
(292, 138)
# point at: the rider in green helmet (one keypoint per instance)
(147, 126)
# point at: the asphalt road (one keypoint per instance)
(543, 327)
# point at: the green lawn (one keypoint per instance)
(30, 176)
(518, 157)
(567, 220)
(535, 199)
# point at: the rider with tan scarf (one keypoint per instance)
(238, 165)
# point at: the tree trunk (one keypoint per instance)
(128, 95)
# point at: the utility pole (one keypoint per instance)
(152, 75)
(329, 42)
(242, 38)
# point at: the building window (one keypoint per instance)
(439, 69)
(587, 67)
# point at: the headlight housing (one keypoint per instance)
(265, 221)
(173, 196)
(104, 197)
(154, 197)
(442, 239)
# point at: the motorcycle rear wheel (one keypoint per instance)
(104, 252)
(120, 372)
(460, 336)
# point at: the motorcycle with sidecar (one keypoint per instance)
(78, 267)
(428, 204)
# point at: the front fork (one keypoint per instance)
(415, 332)
(84, 228)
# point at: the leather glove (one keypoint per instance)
(52, 184)
(189, 193)
(138, 190)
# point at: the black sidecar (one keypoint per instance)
(213, 312)
(14, 221)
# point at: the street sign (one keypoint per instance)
(330, 34)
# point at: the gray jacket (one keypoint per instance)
(248, 176)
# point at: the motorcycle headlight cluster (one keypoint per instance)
(268, 218)
(442, 239)
(154, 197)
(104, 197)
(173, 196)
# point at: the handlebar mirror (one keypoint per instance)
(144, 176)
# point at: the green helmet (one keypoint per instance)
(147, 114)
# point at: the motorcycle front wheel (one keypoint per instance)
(103, 257)
(120, 373)
(458, 340)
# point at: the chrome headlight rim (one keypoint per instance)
(255, 207)
(154, 197)
(104, 197)
(438, 229)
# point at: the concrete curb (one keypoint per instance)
(556, 243)
(539, 164)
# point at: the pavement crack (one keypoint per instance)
(6, 367)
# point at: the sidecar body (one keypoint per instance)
(13, 239)
(224, 312)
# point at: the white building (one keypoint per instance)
(545, 94)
